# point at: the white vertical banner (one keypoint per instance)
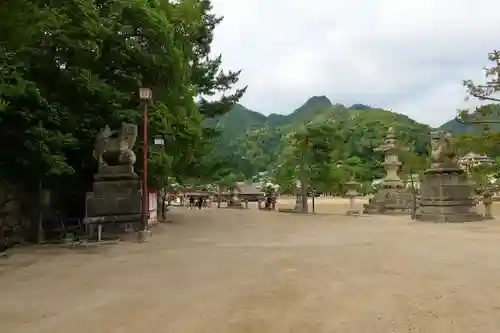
(153, 206)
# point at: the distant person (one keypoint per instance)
(191, 202)
(199, 203)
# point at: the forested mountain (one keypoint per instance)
(240, 119)
(480, 133)
(490, 112)
(252, 142)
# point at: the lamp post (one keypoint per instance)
(146, 95)
(159, 141)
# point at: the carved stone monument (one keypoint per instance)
(392, 195)
(445, 193)
(117, 190)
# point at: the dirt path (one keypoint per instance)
(228, 271)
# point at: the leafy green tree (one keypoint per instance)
(353, 133)
(413, 163)
(69, 68)
(207, 75)
(481, 176)
(317, 145)
(486, 91)
(484, 118)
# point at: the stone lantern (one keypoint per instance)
(235, 201)
(487, 201)
(352, 192)
(298, 196)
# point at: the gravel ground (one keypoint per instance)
(248, 271)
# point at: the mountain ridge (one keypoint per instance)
(316, 104)
(252, 142)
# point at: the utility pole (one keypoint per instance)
(146, 95)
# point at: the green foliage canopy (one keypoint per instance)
(337, 142)
(68, 68)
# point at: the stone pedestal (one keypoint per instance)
(446, 196)
(352, 210)
(390, 201)
(116, 197)
(487, 212)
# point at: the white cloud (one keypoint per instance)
(409, 56)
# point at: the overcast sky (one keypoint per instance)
(409, 56)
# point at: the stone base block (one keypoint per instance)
(114, 206)
(445, 208)
(112, 188)
(235, 204)
(143, 235)
(353, 212)
(449, 218)
(235, 207)
(291, 210)
(390, 201)
(131, 218)
(387, 210)
(372, 209)
(447, 196)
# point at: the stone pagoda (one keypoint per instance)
(392, 195)
(445, 193)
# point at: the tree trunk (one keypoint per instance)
(219, 199)
(163, 206)
(40, 234)
(159, 203)
(304, 183)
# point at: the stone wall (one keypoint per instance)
(14, 223)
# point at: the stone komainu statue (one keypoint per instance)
(442, 149)
(113, 148)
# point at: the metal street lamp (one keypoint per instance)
(159, 141)
(146, 95)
